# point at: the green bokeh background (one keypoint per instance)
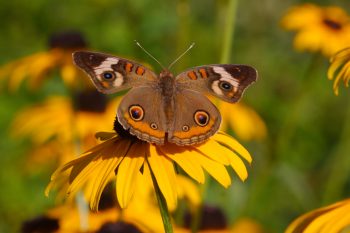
(303, 164)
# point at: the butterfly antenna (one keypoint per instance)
(189, 48)
(138, 44)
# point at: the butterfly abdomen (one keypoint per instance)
(167, 86)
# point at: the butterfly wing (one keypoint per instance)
(227, 82)
(195, 118)
(112, 74)
(141, 112)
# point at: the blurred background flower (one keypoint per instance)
(37, 67)
(339, 69)
(212, 219)
(62, 122)
(323, 29)
(331, 219)
(243, 120)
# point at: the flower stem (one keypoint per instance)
(229, 31)
(164, 212)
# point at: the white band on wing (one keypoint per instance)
(106, 65)
(225, 76)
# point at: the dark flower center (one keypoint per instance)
(212, 218)
(108, 198)
(40, 224)
(118, 227)
(67, 40)
(332, 24)
(118, 128)
(90, 101)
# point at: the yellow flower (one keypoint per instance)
(69, 217)
(340, 69)
(213, 220)
(59, 123)
(246, 225)
(142, 212)
(242, 119)
(126, 159)
(324, 29)
(35, 68)
(330, 219)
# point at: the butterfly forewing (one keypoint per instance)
(226, 82)
(112, 74)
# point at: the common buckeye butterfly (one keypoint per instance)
(164, 107)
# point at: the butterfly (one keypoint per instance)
(166, 108)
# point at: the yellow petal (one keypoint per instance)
(69, 74)
(163, 170)
(103, 136)
(82, 173)
(106, 172)
(187, 189)
(318, 224)
(340, 221)
(128, 173)
(183, 158)
(215, 151)
(233, 145)
(215, 169)
(334, 67)
(302, 222)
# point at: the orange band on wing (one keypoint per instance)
(128, 67)
(192, 75)
(106, 84)
(203, 73)
(140, 70)
(144, 127)
(195, 131)
(232, 93)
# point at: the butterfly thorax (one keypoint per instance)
(167, 86)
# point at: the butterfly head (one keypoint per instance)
(166, 74)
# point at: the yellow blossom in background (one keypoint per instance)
(242, 119)
(334, 218)
(213, 220)
(246, 225)
(339, 69)
(126, 159)
(69, 218)
(142, 211)
(59, 123)
(323, 29)
(37, 67)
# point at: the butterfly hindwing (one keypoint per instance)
(112, 74)
(141, 113)
(227, 82)
(195, 118)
